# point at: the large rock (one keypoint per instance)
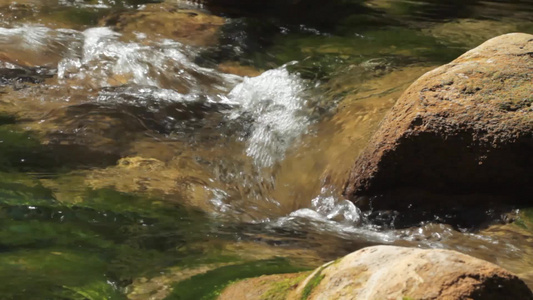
(388, 272)
(463, 128)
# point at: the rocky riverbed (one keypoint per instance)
(153, 150)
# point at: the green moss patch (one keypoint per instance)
(280, 289)
(312, 284)
(209, 285)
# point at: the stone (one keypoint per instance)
(166, 21)
(465, 128)
(389, 272)
(267, 287)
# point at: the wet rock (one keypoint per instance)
(167, 21)
(271, 287)
(463, 128)
(388, 272)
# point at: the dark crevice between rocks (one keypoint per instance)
(409, 208)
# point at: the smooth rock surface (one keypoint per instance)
(389, 272)
(463, 128)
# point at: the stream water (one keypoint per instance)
(162, 150)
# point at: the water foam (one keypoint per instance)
(271, 106)
(37, 45)
(276, 101)
(333, 215)
(106, 61)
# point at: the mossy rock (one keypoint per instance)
(267, 287)
(311, 284)
(210, 285)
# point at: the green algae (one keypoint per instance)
(95, 248)
(209, 285)
(90, 250)
(54, 274)
(312, 284)
(22, 151)
(321, 52)
(19, 188)
(280, 289)
(321, 56)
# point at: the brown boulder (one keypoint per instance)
(463, 128)
(389, 272)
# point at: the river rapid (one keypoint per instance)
(160, 150)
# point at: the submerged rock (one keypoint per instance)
(388, 272)
(190, 27)
(463, 128)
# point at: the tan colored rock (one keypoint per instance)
(268, 287)
(389, 272)
(465, 127)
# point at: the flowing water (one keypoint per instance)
(162, 150)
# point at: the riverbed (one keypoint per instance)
(161, 150)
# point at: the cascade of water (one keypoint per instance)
(276, 101)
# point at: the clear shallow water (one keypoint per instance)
(133, 159)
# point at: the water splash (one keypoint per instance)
(327, 207)
(271, 107)
(33, 46)
(276, 101)
(332, 215)
(105, 60)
